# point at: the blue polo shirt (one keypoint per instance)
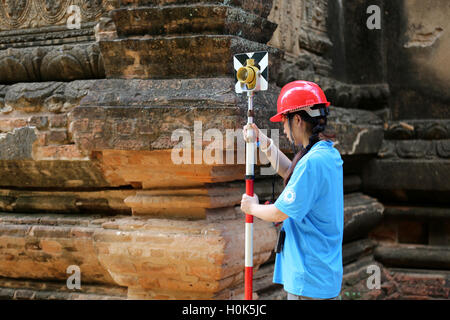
(311, 261)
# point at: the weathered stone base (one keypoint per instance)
(153, 258)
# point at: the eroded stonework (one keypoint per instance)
(20, 14)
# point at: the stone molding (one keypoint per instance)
(50, 63)
(346, 95)
(432, 129)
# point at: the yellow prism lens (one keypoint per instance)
(245, 75)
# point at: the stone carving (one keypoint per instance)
(51, 63)
(315, 14)
(443, 148)
(414, 149)
(387, 150)
(18, 144)
(53, 35)
(435, 129)
(302, 30)
(52, 11)
(44, 22)
(399, 130)
(92, 9)
(313, 33)
(15, 14)
(412, 164)
(287, 14)
(37, 97)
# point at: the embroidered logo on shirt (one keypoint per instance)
(289, 195)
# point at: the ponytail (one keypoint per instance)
(318, 128)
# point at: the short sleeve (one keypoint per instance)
(299, 196)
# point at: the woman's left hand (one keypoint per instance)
(247, 202)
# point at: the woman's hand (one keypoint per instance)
(257, 134)
(247, 203)
(250, 205)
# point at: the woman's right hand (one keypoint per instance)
(257, 134)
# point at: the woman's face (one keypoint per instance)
(286, 130)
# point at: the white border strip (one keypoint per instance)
(248, 244)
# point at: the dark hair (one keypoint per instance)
(317, 127)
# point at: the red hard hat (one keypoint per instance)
(298, 95)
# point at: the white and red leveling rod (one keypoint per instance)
(251, 71)
(249, 183)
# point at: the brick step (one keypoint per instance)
(258, 7)
(190, 56)
(202, 19)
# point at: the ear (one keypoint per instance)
(298, 119)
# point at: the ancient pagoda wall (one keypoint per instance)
(86, 123)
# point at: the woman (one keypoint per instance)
(311, 206)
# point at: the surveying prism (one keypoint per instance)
(251, 72)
